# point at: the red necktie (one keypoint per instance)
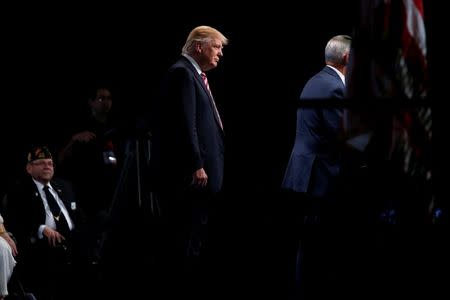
(205, 80)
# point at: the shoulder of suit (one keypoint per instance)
(59, 183)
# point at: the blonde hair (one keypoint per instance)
(202, 34)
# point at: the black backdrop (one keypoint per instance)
(52, 53)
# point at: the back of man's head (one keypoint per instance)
(336, 50)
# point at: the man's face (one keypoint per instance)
(102, 103)
(41, 169)
(211, 52)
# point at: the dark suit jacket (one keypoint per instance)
(314, 164)
(26, 212)
(186, 132)
(48, 272)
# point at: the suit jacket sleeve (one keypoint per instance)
(184, 84)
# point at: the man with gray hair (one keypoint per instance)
(329, 83)
(314, 163)
(314, 168)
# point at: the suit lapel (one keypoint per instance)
(37, 204)
(60, 191)
(199, 79)
(333, 73)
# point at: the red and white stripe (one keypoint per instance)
(412, 61)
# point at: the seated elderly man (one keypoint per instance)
(7, 262)
(48, 225)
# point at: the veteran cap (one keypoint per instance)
(39, 152)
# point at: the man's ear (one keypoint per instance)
(198, 47)
(346, 58)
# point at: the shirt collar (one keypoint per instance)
(193, 62)
(40, 185)
(339, 73)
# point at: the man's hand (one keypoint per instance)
(84, 136)
(10, 241)
(199, 178)
(54, 237)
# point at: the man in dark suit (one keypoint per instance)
(314, 162)
(46, 221)
(312, 173)
(188, 147)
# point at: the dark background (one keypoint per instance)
(52, 53)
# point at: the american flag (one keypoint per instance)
(412, 78)
(412, 130)
(390, 66)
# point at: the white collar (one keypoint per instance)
(193, 62)
(339, 73)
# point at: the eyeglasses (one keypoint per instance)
(42, 163)
(103, 98)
